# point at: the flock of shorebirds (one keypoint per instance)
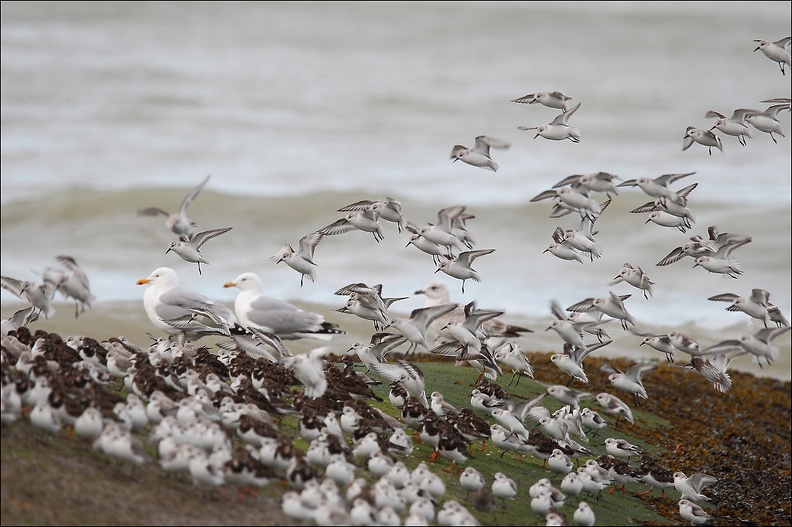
(216, 416)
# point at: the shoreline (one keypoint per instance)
(127, 318)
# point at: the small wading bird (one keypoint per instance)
(479, 155)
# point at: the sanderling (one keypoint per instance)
(441, 407)
(567, 396)
(702, 137)
(596, 182)
(592, 420)
(437, 293)
(415, 327)
(178, 222)
(756, 306)
(72, 284)
(551, 99)
(776, 51)
(583, 515)
(460, 267)
(388, 209)
(406, 374)
(690, 487)
(657, 187)
(570, 327)
(757, 345)
(721, 261)
(188, 246)
(39, 295)
(734, 125)
(582, 239)
(559, 462)
(508, 421)
(309, 370)
(479, 155)
(19, 319)
(571, 485)
(575, 199)
(685, 343)
(674, 208)
(507, 441)
(767, 121)
(621, 448)
(471, 479)
(698, 246)
(636, 277)
(691, 511)
(514, 357)
(301, 260)
(556, 518)
(426, 245)
(664, 219)
(503, 487)
(357, 220)
(557, 129)
(275, 316)
(561, 249)
(631, 380)
(612, 305)
(614, 405)
(340, 470)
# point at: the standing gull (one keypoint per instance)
(180, 311)
(276, 316)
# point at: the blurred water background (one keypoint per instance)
(296, 109)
